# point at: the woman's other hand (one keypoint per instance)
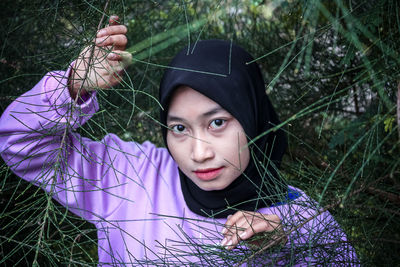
(108, 61)
(256, 228)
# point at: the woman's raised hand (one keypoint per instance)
(101, 66)
(259, 229)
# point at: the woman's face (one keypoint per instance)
(207, 142)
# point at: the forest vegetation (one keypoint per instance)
(331, 70)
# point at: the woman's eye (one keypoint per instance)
(178, 128)
(217, 123)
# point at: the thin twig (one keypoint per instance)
(398, 107)
(91, 54)
(76, 240)
(384, 195)
(391, 211)
(62, 144)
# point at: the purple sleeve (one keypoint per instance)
(37, 141)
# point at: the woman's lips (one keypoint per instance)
(208, 174)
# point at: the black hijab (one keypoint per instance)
(219, 70)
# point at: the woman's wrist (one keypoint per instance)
(75, 87)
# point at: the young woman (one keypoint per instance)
(197, 202)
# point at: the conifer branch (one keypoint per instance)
(398, 108)
(282, 237)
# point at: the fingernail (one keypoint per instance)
(101, 33)
(100, 40)
(229, 216)
(224, 231)
(229, 244)
(223, 241)
(114, 19)
(111, 56)
(242, 235)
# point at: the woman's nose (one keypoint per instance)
(201, 150)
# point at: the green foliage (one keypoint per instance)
(331, 69)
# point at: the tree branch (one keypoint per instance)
(384, 195)
(398, 107)
(279, 239)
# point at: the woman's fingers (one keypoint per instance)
(232, 219)
(121, 58)
(233, 228)
(118, 42)
(107, 59)
(241, 218)
(112, 30)
(247, 231)
(112, 35)
(243, 228)
(114, 20)
(244, 225)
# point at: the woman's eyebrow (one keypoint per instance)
(204, 115)
(213, 111)
(175, 118)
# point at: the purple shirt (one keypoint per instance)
(131, 192)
